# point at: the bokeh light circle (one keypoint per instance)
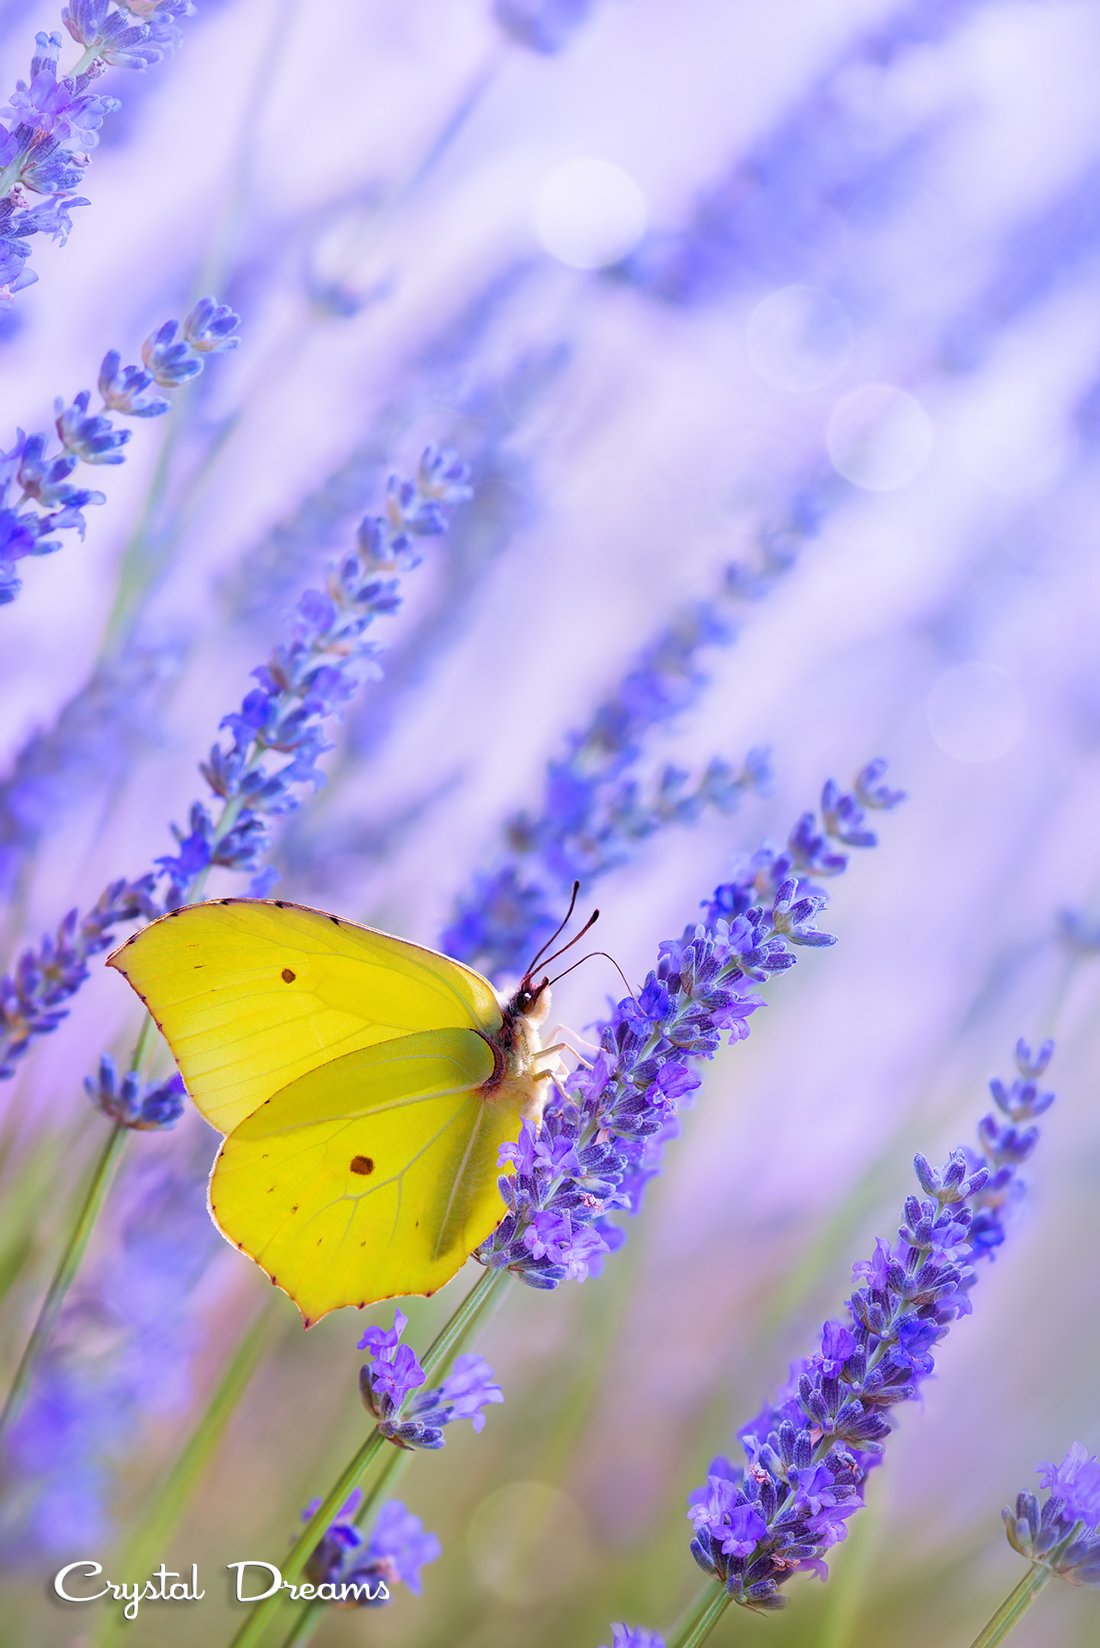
(879, 437)
(976, 712)
(799, 338)
(589, 213)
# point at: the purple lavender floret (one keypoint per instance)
(1063, 1533)
(134, 36)
(126, 388)
(51, 122)
(34, 994)
(37, 498)
(595, 810)
(810, 1451)
(88, 744)
(89, 436)
(131, 1101)
(395, 1552)
(632, 1636)
(277, 737)
(115, 37)
(19, 221)
(603, 1138)
(257, 773)
(545, 26)
(391, 1384)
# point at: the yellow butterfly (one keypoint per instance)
(365, 1086)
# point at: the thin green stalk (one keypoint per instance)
(30, 1179)
(103, 1175)
(471, 96)
(696, 1625)
(847, 1590)
(139, 562)
(160, 1514)
(293, 1566)
(293, 339)
(444, 1348)
(85, 60)
(143, 556)
(1014, 1607)
(309, 1618)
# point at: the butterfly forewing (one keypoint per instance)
(250, 995)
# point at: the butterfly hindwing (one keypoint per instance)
(371, 1176)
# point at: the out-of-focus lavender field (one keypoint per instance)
(807, 292)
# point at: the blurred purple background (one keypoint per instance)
(711, 281)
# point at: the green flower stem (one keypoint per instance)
(847, 1590)
(176, 1486)
(288, 346)
(446, 1345)
(138, 564)
(293, 1566)
(85, 60)
(790, 1296)
(152, 540)
(102, 1178)
(30, 1182)
(310, 1617)
(1014, 1607)
(469, 100)
(696, 1625)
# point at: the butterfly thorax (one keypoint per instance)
(516, 1048)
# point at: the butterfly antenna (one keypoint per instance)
(553, 956)
(558, 930)
(589, 957)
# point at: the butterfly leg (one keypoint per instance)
(567, 1046)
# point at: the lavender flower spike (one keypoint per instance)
(809, 1453)
(34, 993)
(544, 26)
(134, 1102)
(393, 1373)
(596, 808)
(632, 1636)
(256, 773)
(603, 1139)
(52, 122)
(395, 1552)
(37, 498)
(1062, 1534)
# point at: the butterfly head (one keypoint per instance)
(517, 1047)
(531, 1000)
